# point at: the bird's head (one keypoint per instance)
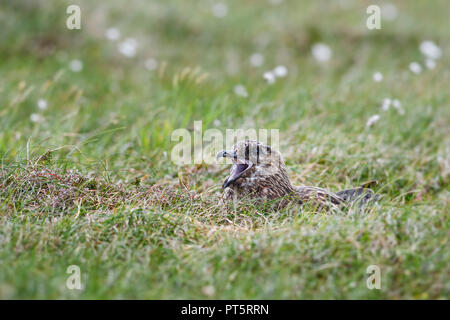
(251, 159)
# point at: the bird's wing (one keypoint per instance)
(359, 195)
(318, 195)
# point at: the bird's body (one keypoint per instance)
(258, 173)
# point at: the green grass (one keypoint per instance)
(93, 184)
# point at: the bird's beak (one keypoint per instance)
(238, 168)
(226, 154)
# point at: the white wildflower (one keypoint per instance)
(269, 77)
(209, 291)
(386, 104)
(430, 50)
(216, 123)
(415, 67)
(398, 105)
(372, 120)
(280, 71)
(240, 90)
(151, 64)
(42, 104)
(35, 117)
(112, 34)
(128, 47)
(377, 77)
(256, 59)
(76, 65)
(220, 10)
(321, 52)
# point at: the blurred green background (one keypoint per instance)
(112, 93)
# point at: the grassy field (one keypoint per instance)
(86, 176)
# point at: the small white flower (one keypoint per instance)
(321, 52)
(388, 11)
(280, 71)
(240, 91)
(372, 120)
(209, 291)
(128, 47)
(377, 77)
(398, 105)
(415, 67)
(216, 123)
(430, 63)
(35, 117)
(112, 34)
(430, 50)
(151, 64)
(76, 65)
(220, 10)
(269, 77)
(386, 104)
(42, 104)
(256, 59)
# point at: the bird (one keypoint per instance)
(259, 173)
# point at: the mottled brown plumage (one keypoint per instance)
(259, 173)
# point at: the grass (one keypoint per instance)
(92, 183)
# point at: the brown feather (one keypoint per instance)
(266, 179)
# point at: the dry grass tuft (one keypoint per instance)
(37, 187)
